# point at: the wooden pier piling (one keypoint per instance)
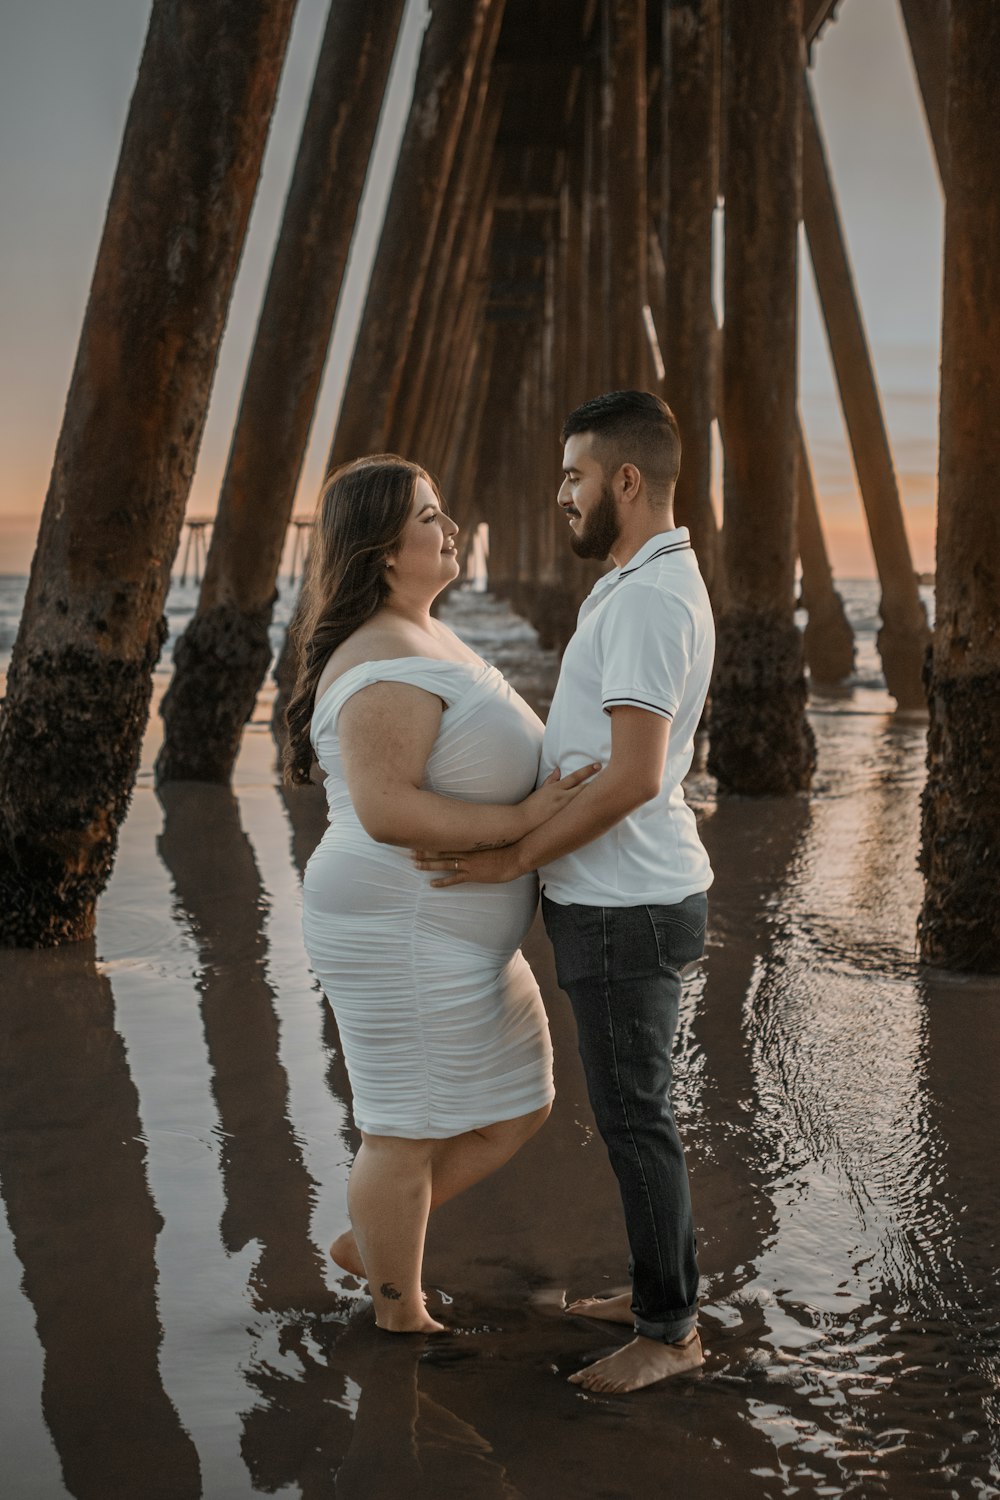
(80, 680)
(960, 856)
(692, 66)
(761, 742)
(221, 659)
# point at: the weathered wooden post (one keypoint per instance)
(460, 471)
(221, 658)
(828, 639)
(691, 72)
(445, 72)
(960, 857)
(427, 352)
(447, 371)
(81, 675)
(626, 214)
(592, 321)
(761, 741)
(904, 636)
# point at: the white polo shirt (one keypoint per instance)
(645, 637)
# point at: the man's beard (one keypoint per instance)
(600, 530)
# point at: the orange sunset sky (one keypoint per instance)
(66, 75)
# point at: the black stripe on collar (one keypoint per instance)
(661, 552)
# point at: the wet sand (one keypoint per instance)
(175, 1134)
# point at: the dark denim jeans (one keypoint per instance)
(621, 968)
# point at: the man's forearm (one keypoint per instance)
(602, 804)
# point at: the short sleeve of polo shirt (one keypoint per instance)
(647, 641)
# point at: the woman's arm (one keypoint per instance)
(387, 732)
(633, 776)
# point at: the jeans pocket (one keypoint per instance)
(680, 931)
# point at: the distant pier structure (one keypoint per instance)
(193, 551)
(548, 235)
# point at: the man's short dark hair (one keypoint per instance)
(631, 427)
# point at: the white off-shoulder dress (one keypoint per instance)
(440, 1018)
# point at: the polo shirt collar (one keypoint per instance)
(677, 540)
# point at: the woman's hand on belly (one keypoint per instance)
(479, 867)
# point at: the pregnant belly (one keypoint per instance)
(377, 890)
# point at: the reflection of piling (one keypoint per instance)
(269, 1192)
(904, 635)
(81, 677)
(221, 658)
(959, 924)
(84, 1224)
(761, 741)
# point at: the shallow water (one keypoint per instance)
(175, 1135)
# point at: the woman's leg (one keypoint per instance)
(457, 1163)
(463, 1160)
(389, 1198)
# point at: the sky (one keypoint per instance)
(66, 77)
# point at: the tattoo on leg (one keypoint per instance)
(388, 1290)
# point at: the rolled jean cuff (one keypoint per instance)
(668, 1333)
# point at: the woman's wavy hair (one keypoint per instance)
(363, 507)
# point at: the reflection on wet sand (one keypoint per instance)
(860, 1279)
(73, 1173)
(724, 1120)
(839, 1106)
(269, 1192)
(306, 809)
(404, 1442)
(963, 1111)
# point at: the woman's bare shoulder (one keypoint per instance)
(374, 641)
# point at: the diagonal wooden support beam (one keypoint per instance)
(904, 636)
(927, 24)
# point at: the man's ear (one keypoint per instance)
(630, 479)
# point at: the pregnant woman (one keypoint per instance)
(423, 745)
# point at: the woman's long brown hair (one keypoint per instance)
(363, 507)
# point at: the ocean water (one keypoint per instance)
(497, 634)
(175, 1134)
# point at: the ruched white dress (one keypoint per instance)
(440, 1018)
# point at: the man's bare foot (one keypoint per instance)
(344, 1253)
(642, 1362)
(608, 1309)
(399, 1322)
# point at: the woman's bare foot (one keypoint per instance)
(609, 1309)
(403, 1322)
(642, 1362)
(344, 1253)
